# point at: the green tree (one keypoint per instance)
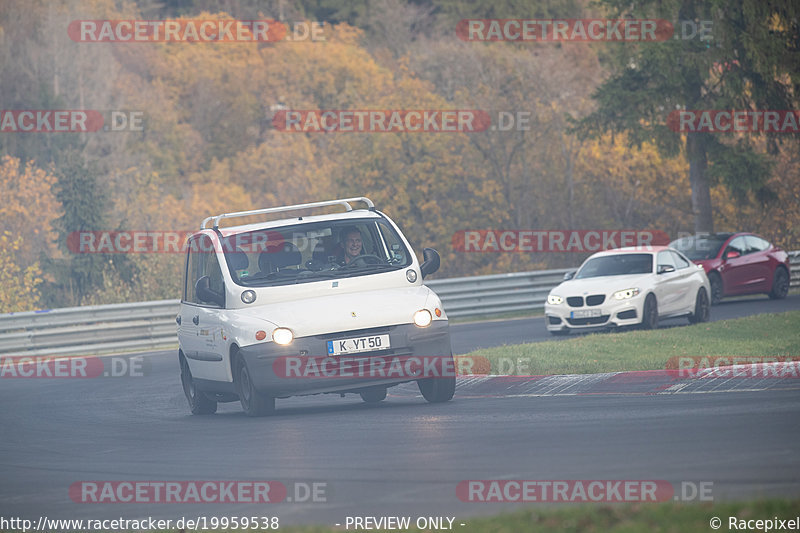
(73, 276)
(750, 62)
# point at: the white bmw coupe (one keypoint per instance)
(629, 286)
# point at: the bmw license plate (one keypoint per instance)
(587, 313)
(358, 344)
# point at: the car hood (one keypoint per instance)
(601, 284)
(345, 312)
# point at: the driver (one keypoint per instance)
(352, 244)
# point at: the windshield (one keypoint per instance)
(700, 247)
(313, 252)
(616, 265)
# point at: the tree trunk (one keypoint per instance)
(568, 154)
(698, 177)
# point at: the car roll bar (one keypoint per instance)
(344, 202)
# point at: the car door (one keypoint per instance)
(685, 284)
(200, 328)
(187, 330)
(735, 270)
(668, 283)
(759, 272)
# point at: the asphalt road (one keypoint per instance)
(403, 457)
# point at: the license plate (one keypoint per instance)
(588, 313)
(358, 344)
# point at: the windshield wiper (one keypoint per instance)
(263, 281)
(286, 277)
(367, 268)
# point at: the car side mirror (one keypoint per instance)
(569, 275)
(431, 262)
(663, 269)
(205, 294)
(731, 254)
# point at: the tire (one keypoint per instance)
(780, 284)
(254, 403)
(374, 394)
(716, 288)
(437, 390)
(702, 308)
(559, 332)
(199, 403)
(650, 313)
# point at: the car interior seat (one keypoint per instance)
(275, 261)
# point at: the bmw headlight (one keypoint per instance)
(552, 299)
(423, 318)
(626, 294)
(283, 336)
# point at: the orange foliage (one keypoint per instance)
(18, 284)
(29, 207)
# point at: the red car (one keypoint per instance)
(738, 263)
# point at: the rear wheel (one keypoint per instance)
(199, 403)
(253, 402)
(650, 313)
(374, 394)
(780, 284)
(702, 309)
(716, 287)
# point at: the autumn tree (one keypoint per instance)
(749, 63)
(29, 207)
(19, 283)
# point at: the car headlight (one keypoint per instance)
(552, 299)
(626, 294)
(283, 336)
(423, 318)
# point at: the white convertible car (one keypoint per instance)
(629, 286)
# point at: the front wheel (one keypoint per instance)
(650, 313)
(780, 285)
(374, 395)
(437, 390)
(702, 311)
(716, 288)
(253, 402)
(199, 403)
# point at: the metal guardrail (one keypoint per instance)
(89, 329)
(147, 325)
(502, 293)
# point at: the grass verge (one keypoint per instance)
(530, 313)
(766, 335)
(622, 518)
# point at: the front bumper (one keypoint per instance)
(610, 313)
(304, 366)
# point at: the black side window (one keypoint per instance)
(204, 285)
(680, 262)
(394, 248)
(756, 244)
(738, 245)
(665, 259)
